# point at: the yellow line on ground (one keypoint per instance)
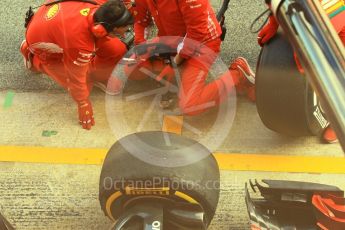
(281, 163)
(52, 155)
(226, 161)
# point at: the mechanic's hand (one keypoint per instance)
(86, 119)
(168, 73)
(268, 31)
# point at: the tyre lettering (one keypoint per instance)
(320, 118)
(147, 191)
(156, 225)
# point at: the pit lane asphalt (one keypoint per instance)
(57, 196)
(41, 196)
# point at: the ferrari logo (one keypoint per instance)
(85, 12)
(52, 11)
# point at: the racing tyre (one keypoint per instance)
(285, 101)
(126, 179)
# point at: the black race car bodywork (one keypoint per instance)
(283, 205)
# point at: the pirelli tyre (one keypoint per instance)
(285, 101)
(126, 179)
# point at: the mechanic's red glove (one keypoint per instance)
(268, 31)
(86, 119)
(168, 73)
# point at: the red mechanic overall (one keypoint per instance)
(62, 46)
(195, 21)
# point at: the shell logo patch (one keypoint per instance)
(333, 7)
(85, 12)
(52, 11)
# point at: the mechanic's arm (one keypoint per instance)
(142, 21)
(77, 64)
(199, 28)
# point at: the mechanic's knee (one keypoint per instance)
(190, 108)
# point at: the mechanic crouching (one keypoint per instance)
(75, 44)
(196, 26)
(336, 12)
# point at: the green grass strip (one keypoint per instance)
(8, 99)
